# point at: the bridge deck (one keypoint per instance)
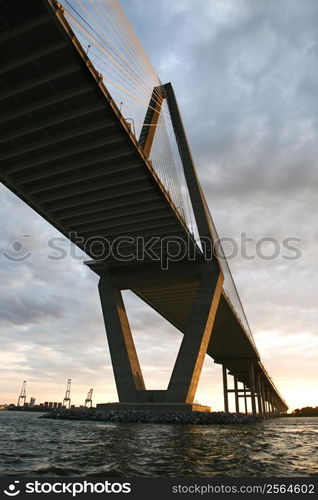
(67, 152)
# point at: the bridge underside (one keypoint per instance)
(69, 154)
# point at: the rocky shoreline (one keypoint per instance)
(151, 417)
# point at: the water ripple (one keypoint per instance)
(279, 448)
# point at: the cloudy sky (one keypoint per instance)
(245, 73)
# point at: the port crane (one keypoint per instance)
(67, 398)
(89, 400)
(22, 394)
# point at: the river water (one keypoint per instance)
(281, 447)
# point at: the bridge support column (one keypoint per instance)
(187, 369)
(127, 372)
(245, 400)
(225, 393)
(237, 405)
(267, 401)
(252, 387)
(271, 403)
(263, 395)
(263, 398)
(274, 405)
(259, 395)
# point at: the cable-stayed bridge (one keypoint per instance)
(94, 142)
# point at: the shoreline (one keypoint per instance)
(151, 417)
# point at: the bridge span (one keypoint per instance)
(69, 153)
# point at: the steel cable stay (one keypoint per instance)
(132, 51)
(126, 67)
(114, 49)
(92, 39)
(157, 83)
(121, 58)
(133, 37)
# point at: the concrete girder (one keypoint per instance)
(131, 205)
(67, 167)
(101, 194)
(65, 153)
(80, 222)
(36, 82)
(55, 140)
(77, 177)
(49, 122)
(136, 179)
(166, 219)
(27, 26)
(35, 54)
(45, 103)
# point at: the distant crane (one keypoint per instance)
(89, 400)
(67, 398)
(22, 393)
